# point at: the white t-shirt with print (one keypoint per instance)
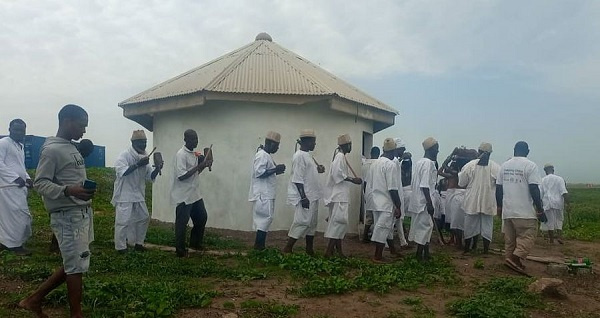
(515, 176)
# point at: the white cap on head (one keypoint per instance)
(548, 165)
(138, 135)
(273, 136)
(399, 143)
(486, 147)
(344, 139)
(307, 133)
(389, 144)
(429, 142)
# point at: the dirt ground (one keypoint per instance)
(583, 300)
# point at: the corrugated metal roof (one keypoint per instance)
(261, 67)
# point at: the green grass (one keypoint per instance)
(584, 215)
(497, 298)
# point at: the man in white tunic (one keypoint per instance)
(15, 219)
(554, 196)
(304, 193)
(337, 196)
(129, 194)
(262, 187)
(424, 177)
(368, 214)
(384, 199)
(517, 192)
(479, 178)
(185, 194)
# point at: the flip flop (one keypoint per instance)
(512, 265)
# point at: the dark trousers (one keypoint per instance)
(197, 212)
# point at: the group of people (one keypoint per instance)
(472, 190)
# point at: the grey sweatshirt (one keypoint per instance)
(60, 165)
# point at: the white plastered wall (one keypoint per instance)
(236, 129)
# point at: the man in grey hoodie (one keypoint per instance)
(60, 178)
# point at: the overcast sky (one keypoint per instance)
(461, 71)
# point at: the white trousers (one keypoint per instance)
(337, 224)
(421, 227)
(399, 229)
(458, 214)
(15, 219)
(555, 221)
(305, 220)
(131, 224)
(384, 221)
(479, 223)
(262, 214)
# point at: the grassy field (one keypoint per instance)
(157, 284)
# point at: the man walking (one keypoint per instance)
(337, 196)
(129, 194)
(554, 196)
(61, 180)
(368, 214)
(517, 193)
(424, 177)
(479, 178)
(384, 198)
(15, 219)
(304, 192)
(262, 187)
(185, 194)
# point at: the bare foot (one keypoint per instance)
(33, 306)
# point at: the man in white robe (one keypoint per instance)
(262, 188)
(384, 199)
(15, 219)
(368, 214)
(129, 194)
(479, 178)
(424, 177)
(554, 196)
(304, 193)
(337, 196)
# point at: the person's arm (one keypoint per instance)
(499, 198)
(534, 191)
(427, 195)
(298, 175)
(260, 167)
(464, 176)
(6, 174)
(196, 169)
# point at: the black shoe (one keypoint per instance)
(139, 248)
(20, 251)
(123, 251)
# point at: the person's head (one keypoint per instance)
(72, 121)
(549, 168)
(139, 141)
(521, 149)
(272, 142)
(85, 147)
(17, 129)
(345, 143)
(389, 148)
(190, 137)
(308, 140)
(400, 147)
(484, 152)
(375, 152)
(431, 147)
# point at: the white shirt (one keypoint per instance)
(262, 188)
(304, 171)
(424, 175)
(480, 182)
(515, 176)
(188, 190)
(366, 168)
(12, 161)
(337, 189)
(383, 177)
(132, 187)
(552, 189)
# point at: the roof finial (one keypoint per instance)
(263, 36)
